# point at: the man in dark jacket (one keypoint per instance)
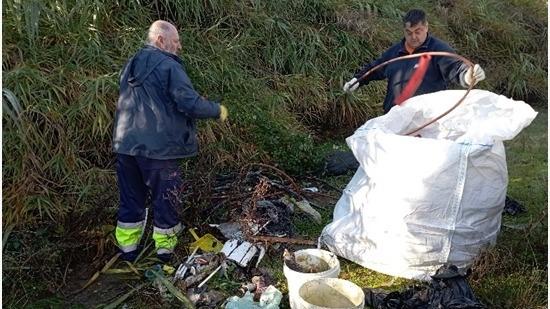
(155, 127)
(440, 72)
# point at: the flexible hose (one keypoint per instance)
(434, 53)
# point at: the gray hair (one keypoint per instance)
(159, 27)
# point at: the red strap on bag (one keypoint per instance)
(415, 80)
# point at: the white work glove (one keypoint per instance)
(478, 75)
(348, 86)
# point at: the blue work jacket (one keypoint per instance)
(157, 108)
(441, 70)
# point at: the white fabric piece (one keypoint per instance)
(416, 203)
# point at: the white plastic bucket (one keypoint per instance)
(309, 257)
(330, 293)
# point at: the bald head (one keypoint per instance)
(164, 35)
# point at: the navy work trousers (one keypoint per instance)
(139, 177)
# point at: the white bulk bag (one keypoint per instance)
(418, 202)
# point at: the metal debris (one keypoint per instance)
(229, 229)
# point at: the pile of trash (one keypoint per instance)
(236, 260)
(258, 202)
(261, 203)
(188, 285)
(221, 266)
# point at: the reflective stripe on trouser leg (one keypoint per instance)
(128, 235)
(163, 177)
(166, 239)
(131, 212)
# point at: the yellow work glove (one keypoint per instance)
(223, 113)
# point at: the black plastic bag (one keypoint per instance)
(340, 162)
(513, 207)
(447, 289)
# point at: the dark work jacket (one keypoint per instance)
(157, 108)
(440, 72)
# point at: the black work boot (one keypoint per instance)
(165, 257)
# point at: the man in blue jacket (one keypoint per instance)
(440, 72)
(155, 126)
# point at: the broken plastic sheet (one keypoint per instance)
(417, 203)
(242, 252)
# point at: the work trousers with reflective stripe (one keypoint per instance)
(139, 177)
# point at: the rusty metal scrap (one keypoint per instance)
(288, 240)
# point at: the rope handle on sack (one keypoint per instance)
(413, 84)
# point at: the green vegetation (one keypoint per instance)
(514, 273)
(279, 67)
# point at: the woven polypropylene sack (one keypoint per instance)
(417, 202)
